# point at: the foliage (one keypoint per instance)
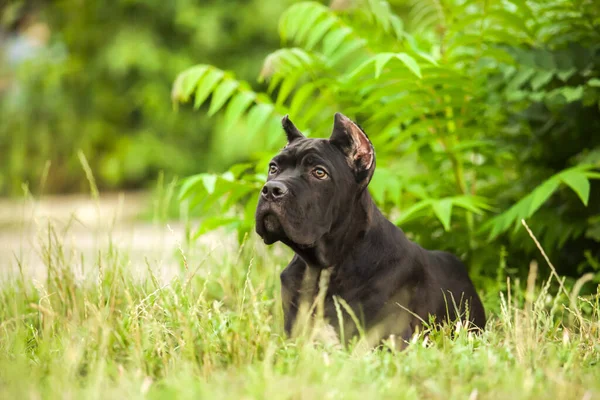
(481, 113)
(103, 85)
(99, 328)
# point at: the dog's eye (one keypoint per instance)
(319, 173)
(273, 169)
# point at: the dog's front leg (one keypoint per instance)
(291, 289)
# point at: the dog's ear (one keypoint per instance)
(290, 129)
(357, 147)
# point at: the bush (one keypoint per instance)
(481, 114)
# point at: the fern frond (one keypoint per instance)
(380, 14)
(425, 15)
(204, 81)
(577, 178)
(309, 23)
(293, 60)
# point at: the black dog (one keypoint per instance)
(316, 202)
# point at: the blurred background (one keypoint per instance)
(94, 79)
(96, 76)
(507, 128)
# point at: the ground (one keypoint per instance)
(93, 306)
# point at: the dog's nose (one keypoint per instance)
(274, 190)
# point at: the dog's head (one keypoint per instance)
(312, 183)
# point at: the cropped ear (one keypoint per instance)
(356, 146)
(290, 129)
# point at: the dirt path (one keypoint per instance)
(84, 228)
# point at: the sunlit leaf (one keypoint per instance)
(412, 211)
(577, 181)
(334, 39)
(221, 95)
(380, 61)
(215, 222)
(318, 31)
(540, 195)
(257, 117)
(207, 84)
(236, 108)
(410, 63)
(209, 181)
(186, 82)
(443, 210)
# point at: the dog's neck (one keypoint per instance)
(345, 234)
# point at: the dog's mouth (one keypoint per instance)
(269, 227)
(272, 224)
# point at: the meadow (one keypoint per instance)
(483, 115)
(109, 323)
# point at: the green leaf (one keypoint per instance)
(522, 76)
(427, 57)
(209, 182)
(356, 72)
(594, 82)
(410, 63)
(377, 188)
(188, 185)
(286, 88)
(380, 61)
(186, 82)
(572, 93)
(592, 175)
(212, 223)
(250, 209)
(236, 108)
(564, 75)
(540, 79)
(317, 32)
(507, 18)
(381, 12)
(237, 170)
(474, 204)
(308, 20)
(278, 63)
(334, 39)
(577, 181)
(274, 134)
(412, 43)
(412, 211)
(443, 211)
(345, 50)
(300, 98)
(257, 117)
(222, 94)
(541, 194)
(206, 86)
(397, 26)
(291, 20)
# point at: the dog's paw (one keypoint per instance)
(326, 335)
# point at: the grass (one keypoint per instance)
(96, 328)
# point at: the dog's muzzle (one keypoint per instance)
(270, 212)
(274, 191)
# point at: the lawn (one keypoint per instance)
(110, 326)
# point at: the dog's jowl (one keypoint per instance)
(316, 202)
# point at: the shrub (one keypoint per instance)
(481, 114)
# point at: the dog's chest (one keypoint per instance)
(364, 295)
